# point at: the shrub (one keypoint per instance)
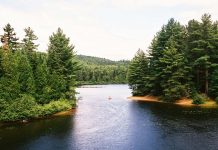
(216, 99)
(171, 94)
(19, 109)
(198, 99)
(3, 104)
(51, 108)
(25, 107)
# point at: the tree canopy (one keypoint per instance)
(182, 61)
(32, 83)
(95, 70)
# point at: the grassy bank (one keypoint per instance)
(182, 102)
(28, 109)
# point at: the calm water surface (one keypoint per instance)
(117, 124)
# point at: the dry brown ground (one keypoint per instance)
(65, 113)
(182, 102)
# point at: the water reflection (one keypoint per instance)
(37, 134)
(175, 127)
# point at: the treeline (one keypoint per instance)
(182, 62)
(95, 70)
(35, 84)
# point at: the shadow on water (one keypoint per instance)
(39, 134)
(166, 126)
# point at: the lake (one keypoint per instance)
(117, 124)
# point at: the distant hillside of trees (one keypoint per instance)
(95, 70)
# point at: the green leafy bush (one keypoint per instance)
(25, 107)
(18, 109)
(174, 92)
(198, 99)
(51, 108)
(216, 99)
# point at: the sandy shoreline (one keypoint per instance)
(182, 102)
(65, 113)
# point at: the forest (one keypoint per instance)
(35, 84)
(95, 70)
(182, 61)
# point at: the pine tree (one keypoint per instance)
(9, 82)
(213, 88)
(41, 78)
(9, 39)
(174, 30)
(1, 57)
(28, 40)
(61, 62)
(30, 47)
(174, 74)
(138, 69)
(200, 37)
(26, 79)
(213, 71)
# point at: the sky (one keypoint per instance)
(113, 29)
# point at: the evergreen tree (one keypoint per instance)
(1, 57)
(61, 62)
(41, 79)
(173, 30)
(30, 47)
(9, 82)
(200, 37)
(137, 72)
(174, 74)
(183, 61)
(28, 40)
(213, 88)
(26, 79)
(9, 39)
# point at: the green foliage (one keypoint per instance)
(28, 40)
(61, 64)
(34, 84)
(3, 105)
(200, 51)
(175, 75)
(216, 99)
(57, 84)
(213, 90)
(173, 32)
(137, 74)
(41, 79)
(19, 109)
(9, 82)
(100, 61)
(25, 107)
(199, 99)
(1, 58)
(96, 70)
(51, 108)
(9, 38)
(29, 46)
(24, 69)
(182, 61)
